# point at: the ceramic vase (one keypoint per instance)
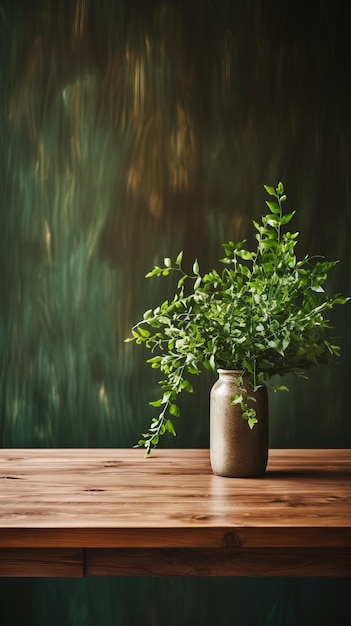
(236, 450)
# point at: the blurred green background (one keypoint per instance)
(128, 131)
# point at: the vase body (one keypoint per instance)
(236, 450)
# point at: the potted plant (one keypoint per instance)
(263, 314)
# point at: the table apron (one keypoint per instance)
(245, 562)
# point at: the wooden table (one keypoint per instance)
(78, 512)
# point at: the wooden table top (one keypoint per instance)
(113, 498)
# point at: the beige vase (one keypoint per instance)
(235, 449)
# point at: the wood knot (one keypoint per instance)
(230, 540)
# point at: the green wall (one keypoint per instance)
(129, 131)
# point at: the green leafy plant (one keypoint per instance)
(263, 314)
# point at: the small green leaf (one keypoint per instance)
(163, 319)
(273, 206)
(196, 267)
(257, 226)
(226, 260)
(213, 362)
(270, 190)
(187, 386)
(155, 272)
(166, 397)
(141, 442)
(207, 365)
(252, 421)
(340, 300)
(286, 218)
(246, 255)
(174, 410)
(154, 359)
(238, 398)
(147, 314)
(181, 281)
(273, 220)
(245, 271)
(193, 370)
(144, 332)
(317, 287)
(170, 428)
(155, 362)
(179, 258)
(156, 403)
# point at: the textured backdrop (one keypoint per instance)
(129, 131)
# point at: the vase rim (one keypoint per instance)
(222, 370)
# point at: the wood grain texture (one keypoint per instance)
(219, 562)
(116, 498)
(42, 562)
